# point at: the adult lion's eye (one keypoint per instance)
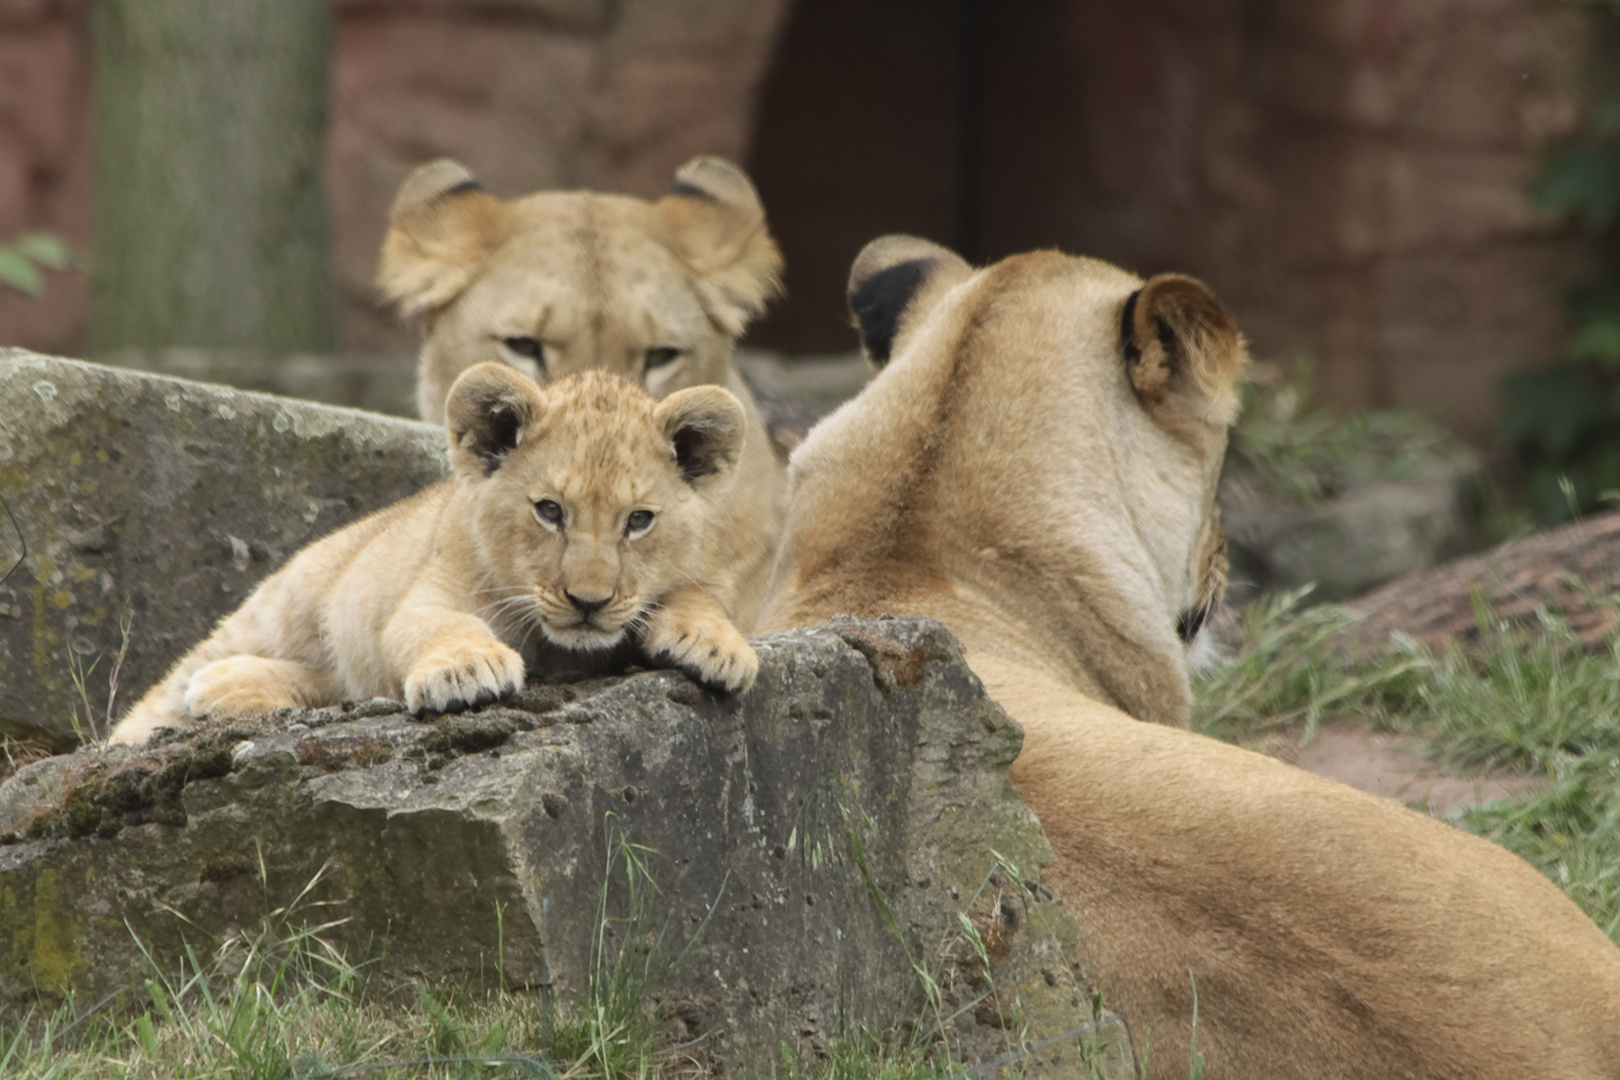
(638, 521)
(526, 346)
(658, 357)
(548, 512)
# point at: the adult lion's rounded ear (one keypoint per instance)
(706, 425)
(717, 225)
(894, 281)
(1182, 348)
(441, 228)
(487, 413)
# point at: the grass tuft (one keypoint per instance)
(1533, 700)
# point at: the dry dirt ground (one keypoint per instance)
(1396, 766)
(1565, 570)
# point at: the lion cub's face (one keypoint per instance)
(589, 499)
(556, 283)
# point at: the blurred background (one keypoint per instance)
(1407, 203)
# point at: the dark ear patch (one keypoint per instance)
(1180, 344)
(878, 303)
(694, 454)
(705, 426)
(466, 187)
(487, 411)
(497, 434)
(893, 283)
(685, 189)
(1133, 352)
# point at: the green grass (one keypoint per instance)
(282, 1002)
(1531, 699)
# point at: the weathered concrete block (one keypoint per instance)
(813, 842)
(156, 504)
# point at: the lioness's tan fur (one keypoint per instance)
(1035, 467)
(537, 544)
(555, 283)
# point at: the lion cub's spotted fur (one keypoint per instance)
(581, 515)
(1035, 466)
(559, 282)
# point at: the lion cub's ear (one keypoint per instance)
(894, 282)
(717, 226)
(1182, 348)
(441, 228)
(706, 425)
(488, 410)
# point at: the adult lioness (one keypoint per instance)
(1034, 466)
(578, 515)
(560, 282)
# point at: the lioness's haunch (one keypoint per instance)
(559, 282)
(580, 516)
(1035, 466)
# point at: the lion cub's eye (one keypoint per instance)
(526, 346)
(548, 512)
(657, 358)
(638, 521)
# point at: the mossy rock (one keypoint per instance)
(156, 505)
(804, 849)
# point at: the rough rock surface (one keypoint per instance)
(156, 504)
(1568, 570)
(1370, 534)
(814, 843)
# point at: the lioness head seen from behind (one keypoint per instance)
(1059, 426)
(590, 502)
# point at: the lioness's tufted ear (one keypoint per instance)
(894, 281)
(707, 425)
(1182, 348)
(717, 225)
(441, 228)
(488, 410)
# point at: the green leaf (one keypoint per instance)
(1582, 177)
(46, 249)
(1599, 340)
(18, 272)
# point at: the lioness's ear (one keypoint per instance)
(1182, 348)
(706, 425)
(489, 409)
(894, 282)
(717, 226)
(441, 228)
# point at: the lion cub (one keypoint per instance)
(580, 516)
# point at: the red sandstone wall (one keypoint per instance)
(1348, 174)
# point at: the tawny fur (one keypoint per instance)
(1036, 470)
(655, 291)
(447, 598)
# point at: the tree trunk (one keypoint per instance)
(210, 211)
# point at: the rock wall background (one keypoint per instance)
(1348, 174)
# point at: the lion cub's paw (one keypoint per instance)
(463, 675)
(239, 686)
(706, 645)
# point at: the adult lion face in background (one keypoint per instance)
(555, 283)
(1034, 466)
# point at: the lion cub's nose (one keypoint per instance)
(586, 606)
